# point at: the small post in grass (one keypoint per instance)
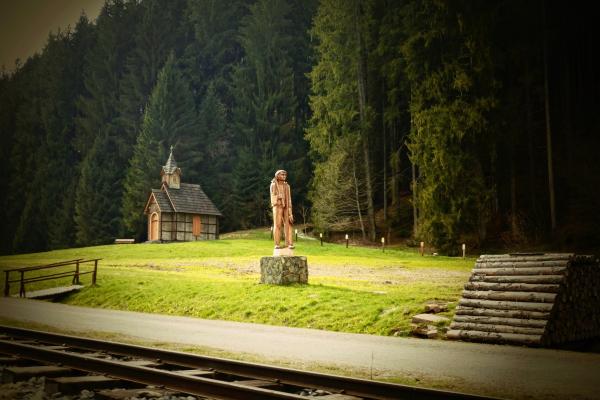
(346, 240)
(271, 231)
(464, 249)
(422, 249)
(321, 236)
(296, 231)
(383, 244)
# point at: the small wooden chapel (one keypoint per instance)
(180, 211)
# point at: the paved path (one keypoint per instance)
(511, 372)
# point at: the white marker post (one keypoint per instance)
(422, 249)
(346, 240)
(321, 236)
(464, 249)
(383, 244)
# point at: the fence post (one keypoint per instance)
(22, 286)
(76, 276)
(95, 272)
(6, 285)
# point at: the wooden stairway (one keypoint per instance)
(533, 299)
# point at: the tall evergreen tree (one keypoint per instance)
(264, 114)
(158, 33)
(450, 104)
(97, 125)
(211, 55)
(170, 119)
(339, 99)
(28, 232)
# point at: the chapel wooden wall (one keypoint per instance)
(179, 226)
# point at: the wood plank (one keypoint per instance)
(510, 296)
(520, 271)
(124, 394)
(494, 337)
(523, 314)
(467, 326)
(541, 279)
(521, 264)
(513, 287)
(45, 293)
(124, 241)
(506, 305)
(75, 384)
(17, 374)
(259, 383)
(197, 372)
(143, 363)
(540, 257)
(526, 323)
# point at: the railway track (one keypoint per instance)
(116, 364)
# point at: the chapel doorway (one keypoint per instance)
(154, 227)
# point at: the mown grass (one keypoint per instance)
(358, 289)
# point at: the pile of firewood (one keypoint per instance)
(531, 299)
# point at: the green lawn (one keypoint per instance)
(358, 289)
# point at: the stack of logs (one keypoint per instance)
(531, 299)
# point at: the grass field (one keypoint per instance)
(360, 290)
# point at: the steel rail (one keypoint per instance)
(149, 376)
(350, 386)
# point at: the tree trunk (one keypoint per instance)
(385, 158)
(494, 337)
(468, 326)
(414, 198)
(520, 314)
(357, 194)
(520, 271)
(530, 146)
(541, 279)
(535, 297)
(506, 305)
(548, 128)
(364, 124)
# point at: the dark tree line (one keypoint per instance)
(446, 121)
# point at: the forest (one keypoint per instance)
(444, 121)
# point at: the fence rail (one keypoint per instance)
(23, 279)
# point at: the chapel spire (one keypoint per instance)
(170, 173)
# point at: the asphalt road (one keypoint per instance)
(506, 371)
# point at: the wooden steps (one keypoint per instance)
(530, 299)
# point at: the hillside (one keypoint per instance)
(361, 290)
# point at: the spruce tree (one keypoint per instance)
(264, 114)
(450, 105)
(97, 124)
(170, 119)
(158, 33)
(340, 105)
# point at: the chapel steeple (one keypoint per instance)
(170, 173)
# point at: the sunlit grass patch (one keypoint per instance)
(361, 290)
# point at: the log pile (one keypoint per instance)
(531, 299)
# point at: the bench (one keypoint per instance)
(124, 241)
(75, 273)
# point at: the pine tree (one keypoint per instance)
(339, 101)
(97, 214)
(450, 104)
(210, 56)
(98, 127)
(158, 33)
(264, 114)
(170, 119)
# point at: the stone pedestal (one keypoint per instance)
(283, 270)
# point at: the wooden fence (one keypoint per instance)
(23, 279)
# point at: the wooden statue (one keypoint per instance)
(281, 202)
